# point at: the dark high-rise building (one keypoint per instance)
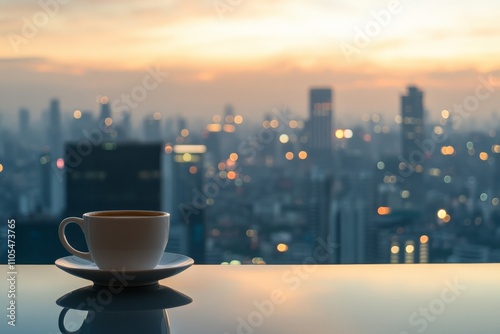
(113, 176)
(320, 212)
(185, 195)
(413, 156)
(320, 126)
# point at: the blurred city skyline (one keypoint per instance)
(253, 55)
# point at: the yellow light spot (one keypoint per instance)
(108, 121)
(483, 156)
(348, 133)
(238, 119)
(339, 134)
(233, 156)
(266, 124)
(445, 114)
(229, 128)
(274, 123)
(231, 175)
(419, 168)
(292, 124)
(193, 169)
(302, 155)
(495, 149)
(284, 138)
(447, 150)
(186, 157)
(104, 100)
(77, 114)
(447, 218)
(214, 127)
(441, 213)
(395, 249)
(289, 155)
(424, 239)
(157, 116)
(250, 233)
(184, 133)
(438, 130)
(230, 163)
(409, 249)
(168, 149)
(1, 168)
(282, 248)
(383, 210)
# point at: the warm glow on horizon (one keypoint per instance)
(90, 48)
(192, 34)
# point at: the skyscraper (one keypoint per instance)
(413, 156)
(185, 195)
(320, 126)
(25, 135)
(54, 131)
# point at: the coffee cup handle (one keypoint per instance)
(64, 241)
(63, 329)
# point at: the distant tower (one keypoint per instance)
(25, 134)
(54, 131)
(105, 121)
(413, 155)
(56, 152)
(320, 127)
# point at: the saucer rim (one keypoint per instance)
(100, 276)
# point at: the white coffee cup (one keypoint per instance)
(121, 240)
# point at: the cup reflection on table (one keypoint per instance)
(133, 310)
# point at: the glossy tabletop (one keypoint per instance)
(381, 299)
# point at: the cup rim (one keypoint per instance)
(126, 214)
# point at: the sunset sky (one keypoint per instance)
(255, 55)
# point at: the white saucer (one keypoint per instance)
(170, 264)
